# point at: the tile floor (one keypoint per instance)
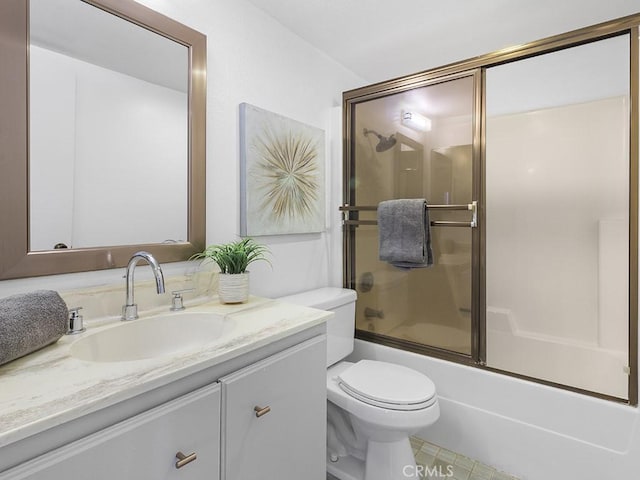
(452, 465)
(440, 463)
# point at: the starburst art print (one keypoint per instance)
(282, 174)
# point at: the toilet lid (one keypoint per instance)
(388, 385)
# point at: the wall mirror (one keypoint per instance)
(103, 137)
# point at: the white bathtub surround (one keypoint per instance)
(554, 358)
(613, 294)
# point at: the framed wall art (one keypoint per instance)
(282, 178)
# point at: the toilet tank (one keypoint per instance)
(341, 327)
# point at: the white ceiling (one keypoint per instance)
(81, 31)
(383, 39)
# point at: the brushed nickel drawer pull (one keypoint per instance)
(260, 411)
(184, 459)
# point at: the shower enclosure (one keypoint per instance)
(421, 306)
(528, 162)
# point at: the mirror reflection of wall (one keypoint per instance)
(108, 130)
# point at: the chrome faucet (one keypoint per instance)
(130, 309)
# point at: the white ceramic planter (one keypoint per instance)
(233, 287)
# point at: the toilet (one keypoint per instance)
(372, 407)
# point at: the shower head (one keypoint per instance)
(384, 143)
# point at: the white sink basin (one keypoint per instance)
(152, 337)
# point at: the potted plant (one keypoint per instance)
(233, 258)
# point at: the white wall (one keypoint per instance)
(252, 58)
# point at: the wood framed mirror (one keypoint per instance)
(88, 197)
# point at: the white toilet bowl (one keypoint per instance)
(384, 404)
(373, 407)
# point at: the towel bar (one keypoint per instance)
(373, 208)
(473, 207)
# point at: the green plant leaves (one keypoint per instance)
(234, 257)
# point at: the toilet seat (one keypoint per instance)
(382, 417)
(387, 385)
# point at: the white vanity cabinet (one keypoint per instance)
(274, 416)
(143, 447)
(283, 439)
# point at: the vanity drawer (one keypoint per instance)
(143, 447)
(274, 416)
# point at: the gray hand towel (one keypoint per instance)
(404, 233)
(30, 321)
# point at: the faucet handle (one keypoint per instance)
(176, 302)
(76, 321)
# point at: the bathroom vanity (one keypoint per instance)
(251, 404)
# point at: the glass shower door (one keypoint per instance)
(557, 217)
(540, 142)
(422, 308)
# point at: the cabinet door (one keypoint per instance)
(143, 447)
(288, 442)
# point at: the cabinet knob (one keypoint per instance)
(184, 459)
(260, 411)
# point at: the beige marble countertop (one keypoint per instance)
(50, 387)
